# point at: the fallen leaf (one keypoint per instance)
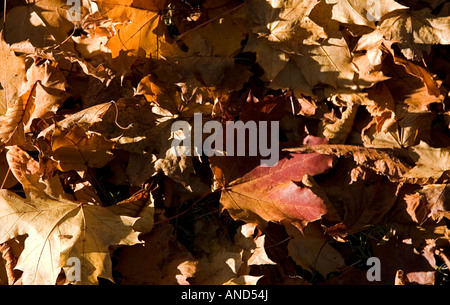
(363, 13)
(312, 251)
(430, 163)
(16, 117)
(58, 233)
(11, 83)
(415, 30)
(77, 149)
(277, 193)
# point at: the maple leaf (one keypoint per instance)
(44, 23)
(277, 193)
(59, 229)
(77, 149)
(142, 26)
(311, 250)
(415, 31)
(285, 21)
(362, 12)
(430, 162)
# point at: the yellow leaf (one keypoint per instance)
(59, 230)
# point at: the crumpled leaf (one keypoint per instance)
(429, 202)
(382, 162)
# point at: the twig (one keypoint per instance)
(65, 40)
(6, 177)
(117, 116)
(210, 20)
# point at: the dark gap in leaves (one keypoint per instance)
(70, 104)
(34, 155)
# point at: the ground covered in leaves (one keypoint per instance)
(88, 96)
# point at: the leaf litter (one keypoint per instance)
(360, 90)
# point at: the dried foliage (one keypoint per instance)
(360, 90)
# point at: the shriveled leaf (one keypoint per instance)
(380, 161)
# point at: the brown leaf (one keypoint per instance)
(16, 117)
(163, 260)
(311, 250)
(58, 231)
(11, 83)
(415, 30)
(381, 161)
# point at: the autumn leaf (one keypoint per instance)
(77, 149)
(415, 30)
(311, 250)
(61, 229)
(16, 117)
(430, 162)
(363, 13)
(11, 83)
(277, 193)
(94, 96)
(141, 36)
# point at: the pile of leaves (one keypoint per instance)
(88, 95)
